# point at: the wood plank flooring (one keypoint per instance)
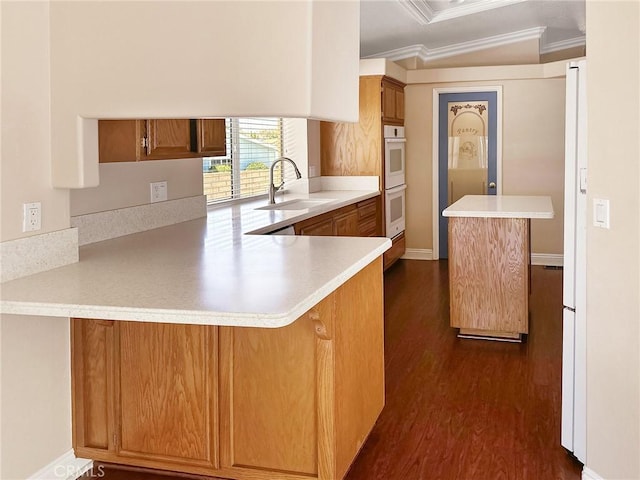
(460, 409)
(466, 409)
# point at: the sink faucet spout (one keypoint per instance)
(272, 188)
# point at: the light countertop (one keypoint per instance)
(210, 270)
(501, 206)
(247, 217)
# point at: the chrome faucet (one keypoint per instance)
(272, 188)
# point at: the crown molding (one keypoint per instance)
(420, 10)
(465, 9)
(487, 42)
(424, 14)
(426, 54)
(564, 44)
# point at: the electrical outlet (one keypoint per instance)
(32, 217)
(158, 191)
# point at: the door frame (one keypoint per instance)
(435, 153)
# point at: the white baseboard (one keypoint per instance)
(588, 474)
(65, 467)
(550, 259)
(418, 254)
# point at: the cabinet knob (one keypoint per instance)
(492, 185)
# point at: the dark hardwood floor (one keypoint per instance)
(466, 409)
(461, 409)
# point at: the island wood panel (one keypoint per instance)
(488, 273)
(168, 390)
(268, 398)
(359, 363)
(92, 365)
(355, 148)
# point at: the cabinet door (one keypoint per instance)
(392, 102)
(346, 224)
(388, 103)
(93, 387)
(168, 393)
(212, 137)
(319, 229)
(268, 401)
(400, 105)
(168, 139)
(119, 140)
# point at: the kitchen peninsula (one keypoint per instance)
(489, 263)
(203, 349)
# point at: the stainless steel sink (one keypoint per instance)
(299, 204)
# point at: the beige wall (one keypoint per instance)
(35, 419)
(532, 154)
(573, 52)
(36, 393)
(519, 53)
(127, 184)
(26, 152)
(305, 55)
(613, 256)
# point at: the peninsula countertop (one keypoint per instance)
(210, 270)
(501, 206)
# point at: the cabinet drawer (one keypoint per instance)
(368, 227)
(367, 209)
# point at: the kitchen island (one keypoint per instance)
(200, 348)
(489, 263)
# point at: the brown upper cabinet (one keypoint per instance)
(358, 148)
(392, 101)
(212, 137)
(135, 140)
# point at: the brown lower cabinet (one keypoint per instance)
(295, 402)
(361, 219)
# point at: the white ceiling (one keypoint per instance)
(427, 29)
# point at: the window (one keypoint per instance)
(253, 144)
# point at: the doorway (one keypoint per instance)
(467, 150)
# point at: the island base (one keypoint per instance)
(489, 276)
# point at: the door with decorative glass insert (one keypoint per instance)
(467, 141)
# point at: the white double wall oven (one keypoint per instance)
(394, 180)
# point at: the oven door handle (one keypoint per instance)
(397, 189)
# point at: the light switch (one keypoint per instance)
(600, 213)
